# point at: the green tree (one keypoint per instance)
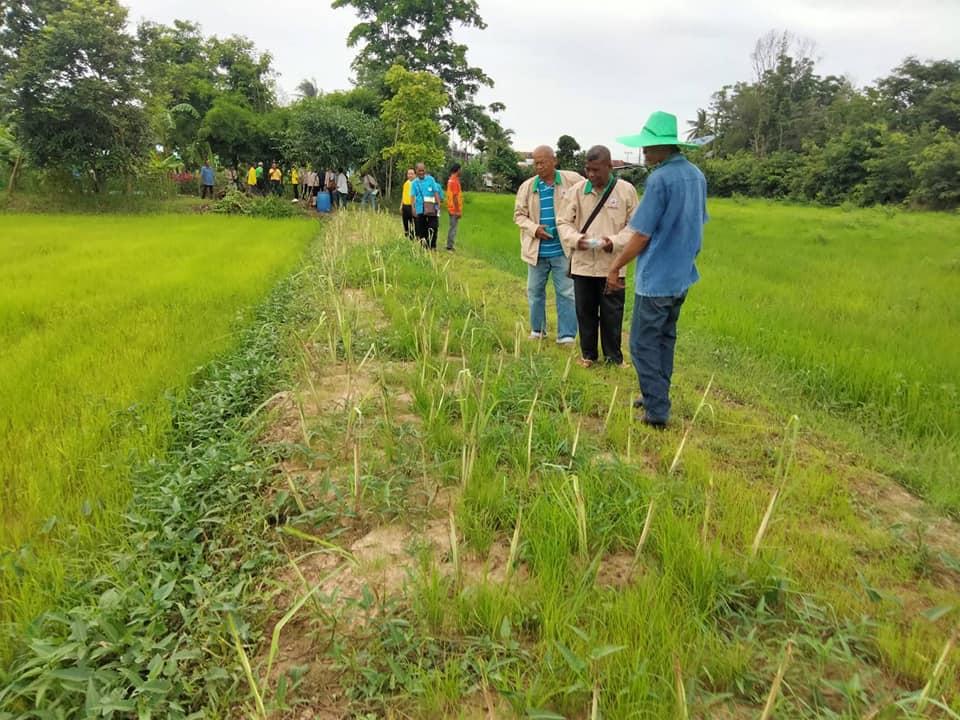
(567, 153)
(244, 72)
(308, 89)
(938, 172)
(921, 94)
(181, 83)
(701, 127)
(327, 135)
(411, 118)
(20, 22)
(234, 131)
(418, 34)
(77, 98)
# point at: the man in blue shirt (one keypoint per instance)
(206, 180)
(426, 194)
(667, 235)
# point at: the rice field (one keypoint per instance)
(100, 317)
(447, 520)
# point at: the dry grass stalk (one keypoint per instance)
(937, 671)
(514, 549)
(684, 712)
(533, 406)
(707, 508)
(686, 434)
(576, 441)
(783, 468)
(454, 548)
(613, 402)
(595, 703)
(645, 533)
(777, 682)
(356, 476)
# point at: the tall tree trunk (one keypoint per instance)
(13, 175)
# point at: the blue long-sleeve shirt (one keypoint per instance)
(206, 175)
(426, 187)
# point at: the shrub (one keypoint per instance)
(938, 172)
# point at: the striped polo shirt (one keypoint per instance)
(548, 217)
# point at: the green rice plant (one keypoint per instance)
(105, 321)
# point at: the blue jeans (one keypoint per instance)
(537, 296)
(369, 197)
(653, 337)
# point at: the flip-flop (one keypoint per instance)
(585, 363)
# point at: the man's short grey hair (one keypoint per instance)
(598, 152)
(544, 148)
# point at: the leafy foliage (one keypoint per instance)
(77, 98)
(418, 34)
(411, 118)
(328, 135)
(793, 133)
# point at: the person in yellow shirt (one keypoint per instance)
(406, 204)
(276, 180)
(295, 182)
(251, 179)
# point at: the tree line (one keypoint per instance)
(82, 99)
(792, 133)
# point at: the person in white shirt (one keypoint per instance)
(343, 188)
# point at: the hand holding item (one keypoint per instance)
(607, 244)
(542, 234)
(614, 282)
(585, 243)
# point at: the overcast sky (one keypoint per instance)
(597, 69)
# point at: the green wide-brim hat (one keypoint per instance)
(661, 129)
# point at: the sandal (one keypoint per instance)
(585, 363)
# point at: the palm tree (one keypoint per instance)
(308, 88)
(699, 127)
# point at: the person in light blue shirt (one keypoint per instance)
(667, 236)
(426, 194)
(206, 180)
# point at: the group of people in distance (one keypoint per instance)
(305, 183)
(585, 231)
(420, 203)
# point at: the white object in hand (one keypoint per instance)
(594, 243)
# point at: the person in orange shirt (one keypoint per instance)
(454, 204)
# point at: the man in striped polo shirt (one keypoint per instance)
(539, 201)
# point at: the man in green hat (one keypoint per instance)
(667, 235)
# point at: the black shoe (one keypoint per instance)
(655, 424)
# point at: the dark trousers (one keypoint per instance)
(206, 191)
(427, 228)
(599, 313)
(653, 337)
(406, 212)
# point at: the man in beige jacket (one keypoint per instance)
(538, 205)
(592, 254)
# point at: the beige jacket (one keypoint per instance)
(526, 211)
(612, 222)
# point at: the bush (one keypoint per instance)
(938, 172)
(235, 202)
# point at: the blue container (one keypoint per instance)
(323, 202)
